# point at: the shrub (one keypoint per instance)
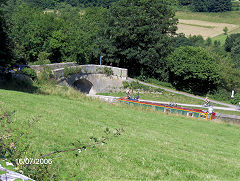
(29, 72)
(108, 71)
(231, 39)
(14, 138)
(225, 30)
(71, 70)
(125, 84)
(236, 99)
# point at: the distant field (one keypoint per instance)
(208, 24)
(204, 28)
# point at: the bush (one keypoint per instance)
(45, 75)
(125, 84)
(108, 71)
(71, 70)
(236, 99)
(29, 72)
(221, 94)
(231, 39)
(160, 83)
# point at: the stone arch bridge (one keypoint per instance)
(90, 79)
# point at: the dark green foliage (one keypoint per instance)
(182, 40)
(193, 69)
(212, 5)
(55, 36)
(185, 2)
(5, 52)
(216, 43)
(232, 45)
(42, 59)
(236, 99)
(76, 3)
(235, 52)
(229, 43)
(208, 42)
(137, 35)
(29, 72)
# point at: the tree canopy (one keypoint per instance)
(193, 69)
(137, 35)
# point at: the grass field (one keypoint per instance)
(154, 145)
(225, 17)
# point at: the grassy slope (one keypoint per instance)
(154, 145)
(225, 17)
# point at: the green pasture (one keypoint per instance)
(154, 145)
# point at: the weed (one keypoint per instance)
(108, 71)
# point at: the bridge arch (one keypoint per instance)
(83, 85)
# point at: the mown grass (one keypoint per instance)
(154, 145)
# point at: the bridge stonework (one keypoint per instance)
(91, 79)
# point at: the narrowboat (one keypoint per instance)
(196, 113)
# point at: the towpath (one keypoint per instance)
(183, 93)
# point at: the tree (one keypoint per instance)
(185, 2)
(65, 34)
(5, 52)
(235, 52)
(193, 69)
(229, 43)
(225, 30)
(137, 35)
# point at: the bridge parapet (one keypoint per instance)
(94, 69)
(53, 66)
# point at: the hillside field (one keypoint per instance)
(154, 145)
(208, 24)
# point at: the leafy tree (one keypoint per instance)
(185, 2)
(225, 30)
(75, 40)
(75, 3)
(137, 35)
(193, 69)
(235, 52)
(208, 42)
(229, 75)
(229, 43)
(5, 52)
(65, 34)
(29, 29)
